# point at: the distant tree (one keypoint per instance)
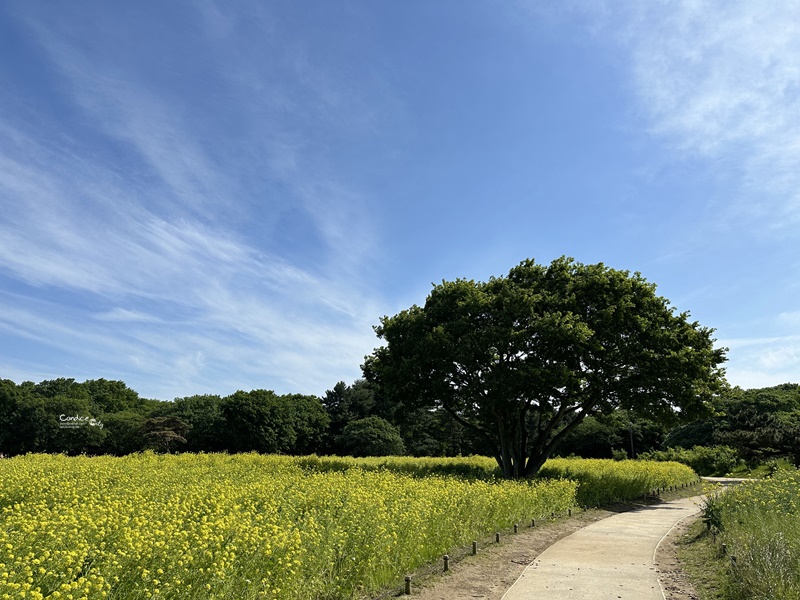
(309, 423)
(371, 436)
(759, 424)
(112, 396)
(520, 361)
(9, 401)
(86, 438)
(262, 421)
(591, 439)
(253, 421)
(345, 404)
(335, 403)
(31, 426)
(423, 433)
(688, 435)
(110, 418)
(53, 417)
(163, 433)
(125, 433)
(61, 388)
(599, 436)
(204, 413)
(22, 420)
(705, 460)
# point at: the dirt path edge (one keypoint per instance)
(674, 580)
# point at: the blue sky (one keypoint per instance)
(200, 197)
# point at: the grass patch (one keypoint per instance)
(758, 525)
(707, 568)
(761, 470)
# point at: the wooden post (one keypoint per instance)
(474, 548)
(516, 528)
(497, 537)
(446, 562)
(569, 512)
(408, 585)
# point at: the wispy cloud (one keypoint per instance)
(168, 251)
(766, 364)
(760, 362)
(721, 81)
(122, 314)
(791, 319)
(717, 85)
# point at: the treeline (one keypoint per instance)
(759, 424)
(107, 417)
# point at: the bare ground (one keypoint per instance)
(497, 566)
(674, 580)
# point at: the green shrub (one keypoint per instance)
(618, 454)
(705, 460)
(371, 436)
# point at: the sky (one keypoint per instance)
(201, 197)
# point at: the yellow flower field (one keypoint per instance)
(603, 481)
(238, 527)
(759, 522)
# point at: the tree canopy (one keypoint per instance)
(371, 436)
(760, 424)
(522, 360)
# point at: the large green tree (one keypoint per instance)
(263, 421)
(522, 360)
(371, 436)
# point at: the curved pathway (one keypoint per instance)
(611, 559)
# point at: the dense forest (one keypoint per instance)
(107, 417)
